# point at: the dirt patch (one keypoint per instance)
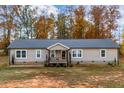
(41, 81)
(112, 76)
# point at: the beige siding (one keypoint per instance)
(31, 55)
(90, 55)
(58, 47)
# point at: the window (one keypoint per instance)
(103, 53)
(21, 54)
(74, 53)
(52, 53)
(77, 53)
(38, 53)
(63, 54)
(18, 54)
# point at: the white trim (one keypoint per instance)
(65, 53)
(57, 44)
(77, 53)
(16, 54)
(105, 53)
(20, 54)
(72, 53)
(36, 53)
(54, 52)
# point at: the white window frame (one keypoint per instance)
(20, 54)
(72, 53)
(81, 53)
(65, 53)
(36, 53)
(54, 51)
(77, 50)
(101, 53)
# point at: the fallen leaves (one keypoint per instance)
(42, 81)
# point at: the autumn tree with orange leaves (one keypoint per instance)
(25, 20)
(21, 22)
(43, 26)
(104, 19)
(6, 25)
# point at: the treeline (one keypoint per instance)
(75, 22)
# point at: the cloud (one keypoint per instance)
(121, 19)
(46, 10)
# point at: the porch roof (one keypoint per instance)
(71, 43)
(61, 46)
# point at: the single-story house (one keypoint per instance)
(83, 51)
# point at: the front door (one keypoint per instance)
(63, 54)
(58, 55)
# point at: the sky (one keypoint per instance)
(120, 20)
(55, 9)
(121, 9)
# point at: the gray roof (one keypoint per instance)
(72, 43)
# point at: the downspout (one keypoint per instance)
(49, 57)
(9, 56)
(118, 56)
(67, 57)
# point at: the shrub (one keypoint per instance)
(93, 61)
(78, 63)
(112, 63)
(64, 65)
(109, 63)
(70, 65)
(57, 65)
(51, 65)
(104, 61)
(45, 64)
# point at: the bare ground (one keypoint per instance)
(41, 81)
(76, 77)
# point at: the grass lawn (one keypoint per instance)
(79, 76)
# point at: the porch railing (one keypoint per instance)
(57, 60)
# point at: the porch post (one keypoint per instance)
(9, 56)
(48, 56)
(118, 56)
(67, 56)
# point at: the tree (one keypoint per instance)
(51, 26)
(69, 20)
(25, 21)
(40, 28)
(79, 23)
(104, 19)
(90, 32)
(122, 44)
(6, 24)
(112, 16)
(62, 33)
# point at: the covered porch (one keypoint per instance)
(58, 54)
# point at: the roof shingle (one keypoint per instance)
(72, 43)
